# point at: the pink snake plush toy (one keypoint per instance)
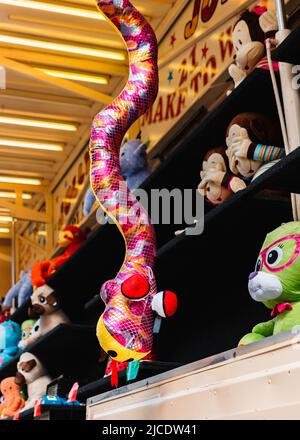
(125, 329)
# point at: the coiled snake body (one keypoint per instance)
(125, 328)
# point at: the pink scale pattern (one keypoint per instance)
(129, 322)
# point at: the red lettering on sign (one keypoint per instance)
(181, 101)
(191, 26)
(226, 45)
(208, 9)
(170, 106)
(159, 111)
(183, 73)
(210, 70)
(147, 118)
(195, 82)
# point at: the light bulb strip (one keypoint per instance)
(60, 47)
(30, 144)
(37, 123)
(20, 180)
(57, 9)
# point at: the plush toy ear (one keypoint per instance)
(165, 304)
(135, 287)
(141, 149)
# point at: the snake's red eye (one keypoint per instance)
(135, 287)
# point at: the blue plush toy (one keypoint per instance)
(134, 169)
(134, 163)
(20, 291)
(10, 335)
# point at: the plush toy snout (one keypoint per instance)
(35, 311)
(20, 379)
(264, 286)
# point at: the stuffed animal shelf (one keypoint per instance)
(45, 306)
(134, 168)
(249, 35)
(12, 402)
(32, 373)
(254, 144)
(217, 182)
(71, 238)
(10, 335)
(276, 282)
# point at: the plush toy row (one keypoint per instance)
(254, 144)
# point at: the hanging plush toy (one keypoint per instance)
(71, 238)
(21, 291)
(254, 144)
(249, 35)
(10, 335)
(134, 163)
(134, 169)
(125, 330)
(32, 373)
(44, 305)
(12, 402)
(217, 183)
(276, 282)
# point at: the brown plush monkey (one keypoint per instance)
(248, 35)
(254, 144)
(217, 184)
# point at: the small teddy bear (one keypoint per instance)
(217, 183)
(248, 35)
(44, 305)
(254, 144)
(12, 400)
(32, 373)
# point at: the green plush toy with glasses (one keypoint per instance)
(276, 282)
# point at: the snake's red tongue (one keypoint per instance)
(114, 378)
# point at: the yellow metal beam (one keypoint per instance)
(22, 213)
(5, 257)
(18, 186)
(85, 65)
(30, 243)
(59, 82)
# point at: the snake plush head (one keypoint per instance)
(125, 330)
(277, 273)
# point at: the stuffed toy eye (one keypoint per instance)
(165, 304)
(258, 265)
(135, 287)
(274, 256)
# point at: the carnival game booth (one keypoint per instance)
(211, 348)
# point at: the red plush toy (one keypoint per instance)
(71, 237)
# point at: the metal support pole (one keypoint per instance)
(13, 252)
(281, 15)
(291, 98)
